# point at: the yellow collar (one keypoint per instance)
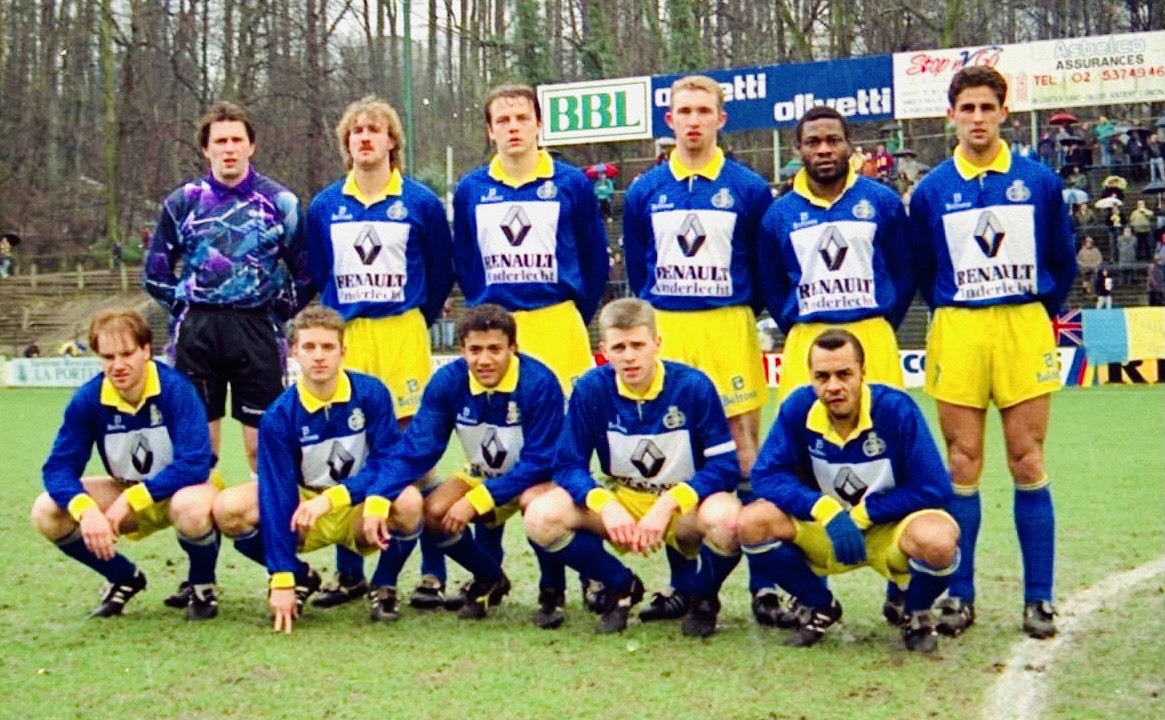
(801, 187)
(818, 420)
(313, 404)
(653, 390)
(508, 383)
(683, 172)
(394, 186)
(968, 170)
(542, 171)
(152, 388)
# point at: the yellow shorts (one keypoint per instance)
(501, 513)
(883, 364)
(638, 503)
(882, 551)
(557, 336)
(396, 350)
(336, 527)
(157, 516)
(722, 343)
(1004, 353)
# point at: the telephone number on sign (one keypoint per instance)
(1121, 74)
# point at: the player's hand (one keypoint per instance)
(309, 512)
(849, 545)
(99, 536)
(621, 528)
(654, 524)
(117, 513)
(283, 605)
(457, 517)
(376, 532)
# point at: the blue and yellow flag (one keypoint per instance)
(1112, 336)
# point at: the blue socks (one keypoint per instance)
(927, 583)
(584, 552)
(465, 551)
(251, 546)
(432, 558)
(684, 571)
(783, 564)
(392, 559)
(1035, 524)
(968, 513)
(350, 564)
(490, 540)
(116, 570)
(203, 554)
(553, 572)
(714, 568)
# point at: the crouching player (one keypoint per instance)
(322, 443)
(150, 429)
(670, 461)
(507, 411)
(850, 476)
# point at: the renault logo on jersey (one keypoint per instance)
(648, 459)
(141, 456)
(340, 462)
(516, 226)
(492, 450)
(691, 236)
(832, 247)
(989, 234)
(368, 245)
(849, 486)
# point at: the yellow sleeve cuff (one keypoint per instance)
(480, 499)
(826, 509)
(376, 506)
(685, 497)
(283, 581)
(338, 495)
(860, 516)
(598, 498)
(138, 496)
(80, 504)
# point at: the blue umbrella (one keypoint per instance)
(1074, 196)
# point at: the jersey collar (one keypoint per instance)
(818, 420)
(508, 383)
(243, 188)
(313, 404)
(969, 171)
(152, 388)
(393, 188)
(653, 390)
(542, 171)
(801, 187)
(683, 172)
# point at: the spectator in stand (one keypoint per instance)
(1084, 217)
(1126, 253)
(1089, 260)
(5, 256)
(604, 192)
(1076, 178)
(1115, 222)
(1046, 149)
(884, 162)
(1103, 288)
(1155, 283)
(1018, 137)
(1141, 221)
(1104, 133)
(1155, 150)
(1135, 149)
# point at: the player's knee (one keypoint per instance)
(234, 512)
(407, 511)
(717, 519)
(1026, 466)
(47, 517)
(934, 539)
(531, 494)
(544, 520)
(756, 522)
(191, 510)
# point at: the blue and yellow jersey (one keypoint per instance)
(508, 432)
(157, 447)
(671, 438)
(383, 255)
(998, 235)
(529, 243)
(690, 235)
(887, 468)
(335, 447)
(836, 262)
(239, 247)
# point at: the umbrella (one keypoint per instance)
(1115, 181)
(905, 152)
(1071, 140)
(12, 238)
(1155, 188)
(609, 169)
(890, 127)
(1074, 196)
(790, 168)
(1108, 202)
(1062, 118)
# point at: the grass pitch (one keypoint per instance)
(1106, 456)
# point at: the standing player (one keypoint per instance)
(833, 252)
(380, 252)
(150, 430)
(670, 462)
(506, 409)
(850, 476)
(995, 257)
(690, 238)
(322, 444)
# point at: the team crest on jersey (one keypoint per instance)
(155, 416)
(662, 204)
(547, 190)
(674, 418)
(864, 210)
(1018, 192)
(722, 200)
(492, 196)
(873, 445)
(356, 420)
(412, 385)
(397, 211)
(342, 214)
(513, 415)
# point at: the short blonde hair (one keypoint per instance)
(699, 82)
(120, 320)
(625, 314)
(317, 316)
(382, 111)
